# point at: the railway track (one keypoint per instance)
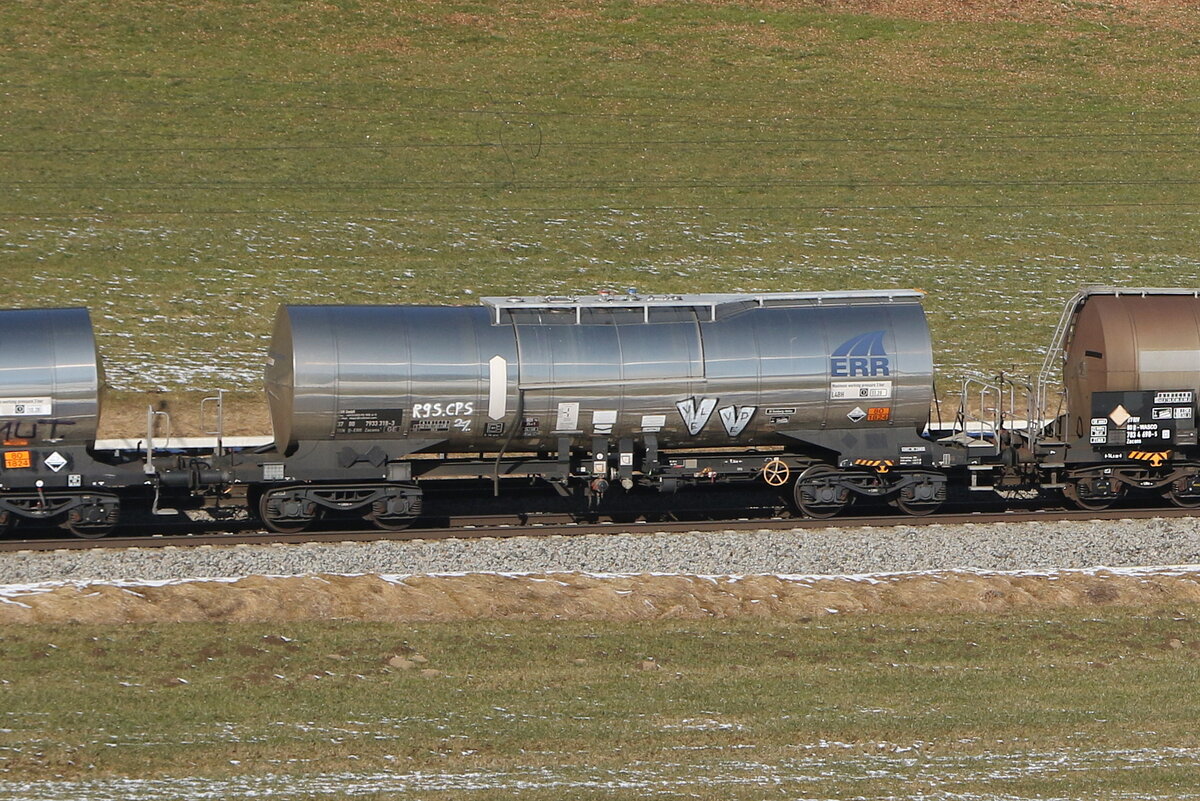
(556, 525)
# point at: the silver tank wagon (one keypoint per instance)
(694, 371)
(50, 376)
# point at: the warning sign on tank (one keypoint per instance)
(1145, 420)
(369, 421)
(15, 459)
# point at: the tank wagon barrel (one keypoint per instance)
(610, 386)
(691, 370)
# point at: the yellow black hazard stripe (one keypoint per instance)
(1155, 458)
(880, 465)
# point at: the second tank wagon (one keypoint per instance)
(534, 373)
(648, 392)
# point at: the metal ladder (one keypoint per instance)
(1052, 364)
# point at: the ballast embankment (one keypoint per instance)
(583, 596)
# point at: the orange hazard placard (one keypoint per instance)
(17, 459)
(879, 413)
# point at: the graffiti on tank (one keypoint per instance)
(696, 412)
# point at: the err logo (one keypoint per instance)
(862, 355)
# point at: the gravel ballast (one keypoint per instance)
(830, 551)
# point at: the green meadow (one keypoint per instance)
(1052, 705)
(184, 168)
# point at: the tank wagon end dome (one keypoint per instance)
(1124, 339)
(51, 375)
(279, 378)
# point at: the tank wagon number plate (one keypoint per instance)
(369, 421)
(859, 390)
(425, 426)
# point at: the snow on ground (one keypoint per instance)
(13, 593)
(893, 774)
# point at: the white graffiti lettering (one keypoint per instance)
(735, 418)
(695, 414)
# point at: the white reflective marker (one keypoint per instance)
(497, 387)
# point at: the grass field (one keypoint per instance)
(183, 169)
(1057, 705)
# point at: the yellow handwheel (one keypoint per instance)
(776, 472)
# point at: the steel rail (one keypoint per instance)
(491, 527)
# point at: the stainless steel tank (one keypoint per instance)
(1125, 339)
(50, 376)
(694, 370)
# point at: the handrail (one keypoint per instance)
(219, 401)
(148, 468)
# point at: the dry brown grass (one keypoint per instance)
(124, 415)
(573, 596)
(1176, 14)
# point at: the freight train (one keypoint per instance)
(822, 399)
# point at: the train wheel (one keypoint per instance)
(94, 518)
(1184, 493)
(286, 514)
(818, 492)
(1083, 494)
(395, 511)
(88, 531)
(384, 523)
(922, 497)
(916, 508)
